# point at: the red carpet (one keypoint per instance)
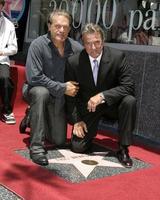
(33, 182)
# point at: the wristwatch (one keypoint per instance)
(103, 98)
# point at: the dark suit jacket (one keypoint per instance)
(114, 80)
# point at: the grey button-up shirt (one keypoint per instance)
(45, 66)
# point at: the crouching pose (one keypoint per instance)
(46, 87)
(105, 89)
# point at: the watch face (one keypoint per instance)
(14, 9)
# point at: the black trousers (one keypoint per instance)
(6, 88)
(124, 112)
(47, 119)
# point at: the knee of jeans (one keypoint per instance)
(129, 101)
(40, 93)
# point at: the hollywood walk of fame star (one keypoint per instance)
(80, 161)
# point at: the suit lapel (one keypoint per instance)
(104, 65)
(86, 68)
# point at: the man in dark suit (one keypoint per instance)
(105, 89)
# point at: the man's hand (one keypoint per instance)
(71, 88)
(94, 102)
(79, 129)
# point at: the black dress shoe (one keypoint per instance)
(25, 122)
(124, 158)
(39, 158)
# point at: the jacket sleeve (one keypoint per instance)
(35, 75)
(125, 84)
(11, 46)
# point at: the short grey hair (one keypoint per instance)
(93, 28)
(61, 13)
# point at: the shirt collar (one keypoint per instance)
(98, 58)
(67, 49)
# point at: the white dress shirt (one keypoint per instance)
(92, 59)
(92, 66)
(8, 40)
